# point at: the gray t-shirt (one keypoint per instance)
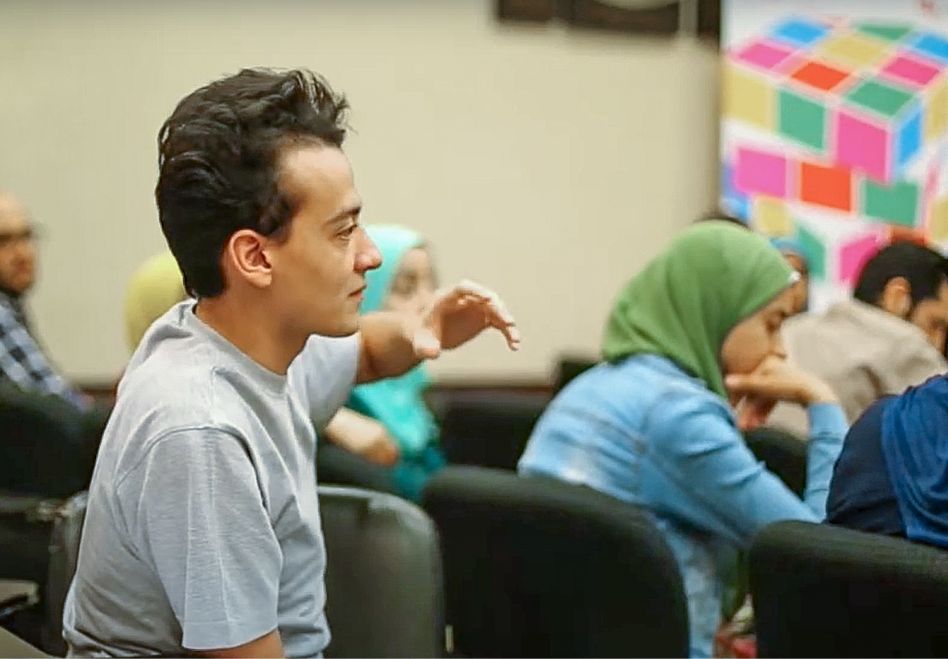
(202, 529)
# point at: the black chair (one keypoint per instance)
(568, 368)
(825, 591)
(16, 596)
(489, 429)
(783, 453)
(383, 577)
(46, 445)
(535, 567)
(63, 557)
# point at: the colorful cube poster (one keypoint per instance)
(835, 127)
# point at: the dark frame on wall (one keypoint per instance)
(534, 11)
(661, 19)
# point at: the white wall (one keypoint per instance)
(549, 164)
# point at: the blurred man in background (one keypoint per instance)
(890, 336)
(22, 361)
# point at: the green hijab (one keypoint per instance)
(398, 402)
(684, 303)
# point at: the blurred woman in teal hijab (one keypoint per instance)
(405, 282)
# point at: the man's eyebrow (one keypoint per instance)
(345, 214)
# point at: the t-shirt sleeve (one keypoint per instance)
(324, 373)
(202, 523)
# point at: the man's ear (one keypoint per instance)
(246, 258)
(897, 297)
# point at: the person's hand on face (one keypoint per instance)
(773, 381)
(458, 314)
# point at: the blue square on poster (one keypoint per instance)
(933, 46)
(800, 32)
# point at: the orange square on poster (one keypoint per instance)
(827, 186)
(820, 76)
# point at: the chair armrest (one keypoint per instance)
(16, 596)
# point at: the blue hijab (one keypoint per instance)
(395, 402)
(915, 443)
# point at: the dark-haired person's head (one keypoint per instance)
(721, 215)
(256, 199)
(911, 282)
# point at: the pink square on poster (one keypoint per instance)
(853, 256)
(911, 70)
(764, 55)
(862, 145)
(758, 172)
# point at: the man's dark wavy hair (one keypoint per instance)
(219, 159)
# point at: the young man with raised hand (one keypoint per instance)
(202, 534)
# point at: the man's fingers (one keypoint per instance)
(509, 330)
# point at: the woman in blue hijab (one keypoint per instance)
(892, 475)
(405, 282)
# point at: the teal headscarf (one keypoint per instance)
(395, 402)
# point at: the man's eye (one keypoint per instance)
(348, 231)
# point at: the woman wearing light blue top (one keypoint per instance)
(693, 355)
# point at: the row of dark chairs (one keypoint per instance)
(539, 568)
(535, 567)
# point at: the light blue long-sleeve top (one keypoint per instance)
(646, 432)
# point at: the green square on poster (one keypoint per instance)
(885, 99)
(815, 252)
(887, 32)
(802, 119)
(896, 203)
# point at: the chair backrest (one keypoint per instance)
(489, 429)
(825, 591)
(568, 368)
(536, 567)
(383, 576)
(63, 557)
(44, 449)
(784, 454)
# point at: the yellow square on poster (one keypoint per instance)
(854, 49)
(748, 96)
(771, 217)
(938, 228)
(936, 110)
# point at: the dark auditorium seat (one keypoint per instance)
(568, 368)
(784, 454)
(383, 577)
(824, 591)
(489, 428)
(45, 445)
(540, 568)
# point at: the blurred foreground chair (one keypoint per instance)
(383, 576)
(536, 567)
(825, 591)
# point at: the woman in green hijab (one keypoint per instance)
(693, 356)
(390, 417)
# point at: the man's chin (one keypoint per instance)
(339, 331)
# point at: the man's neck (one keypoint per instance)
(251, 330)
